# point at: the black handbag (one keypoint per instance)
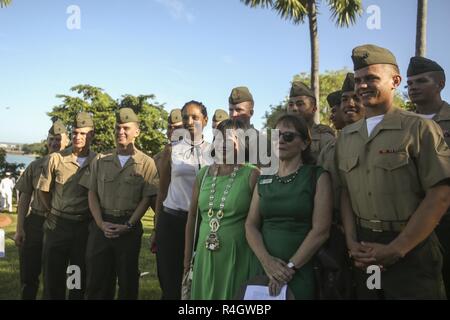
(332, 265)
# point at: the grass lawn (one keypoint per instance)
(9, 265)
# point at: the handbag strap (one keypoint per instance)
(197, 214)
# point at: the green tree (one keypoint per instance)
(343, 12)
(330, 81)
(421, 28)
(103, 108)
(35, 148)
(2, 158)
(5, 3)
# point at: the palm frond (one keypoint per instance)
(294, 10)
(345, 12)
(5, 3)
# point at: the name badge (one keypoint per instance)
(265, 181)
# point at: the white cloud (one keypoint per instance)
(177, 10)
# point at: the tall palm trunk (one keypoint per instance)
(314, 39)
(421, 28)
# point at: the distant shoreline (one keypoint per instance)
(21, 153)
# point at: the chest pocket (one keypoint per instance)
(131, 188)
(393, 174)
(348, 164)
(392, 161)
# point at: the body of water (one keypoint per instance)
(19, 158)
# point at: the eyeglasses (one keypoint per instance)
(289, 136)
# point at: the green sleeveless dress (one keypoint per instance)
(286, 214)
(219, 274)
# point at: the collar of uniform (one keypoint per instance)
(68, 156)
(137, 157)
(391, 120)
(354, 127)
(444, 113)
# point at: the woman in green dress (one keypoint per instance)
(290, 214)
(222, 196)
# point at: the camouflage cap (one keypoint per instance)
(240, 94)
(298, 88)
(418, 65)
(126, 115)
(334, 98)
(220, 115)
(83, 120)
(369, 54)
(58, 127)
(349, 82)
(175, 116)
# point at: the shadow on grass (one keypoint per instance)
(9, 265)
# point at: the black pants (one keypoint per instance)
(443, 233)
(106, 258)
(170, 253)
(30, 255)
(64, 244)
(416, 276)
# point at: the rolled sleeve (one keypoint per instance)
(93, 168)
(46, 177)
(433, 157)
(25, 182)
(151, 180)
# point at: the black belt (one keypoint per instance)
(380, 226)
(117, 213)
(39, 212)
(178, 213)
(70, 216)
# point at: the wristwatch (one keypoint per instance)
(129, 225)
(291, 265)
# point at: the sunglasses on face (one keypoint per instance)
(288, 136)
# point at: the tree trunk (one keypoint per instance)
(314, 39)
(421, 28)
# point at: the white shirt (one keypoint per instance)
(372, 123)
(427, 116)
(81, 160)
(186, 162)
(123, 159)
(6, 186)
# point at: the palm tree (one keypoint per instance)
(344, 12)
(421, 28)
(5, 3)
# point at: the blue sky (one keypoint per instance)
(181, 50)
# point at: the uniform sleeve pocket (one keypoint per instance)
(392, 161)
(348, 164)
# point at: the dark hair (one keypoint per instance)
(198, 104)
(231, 124)
(300, 125)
